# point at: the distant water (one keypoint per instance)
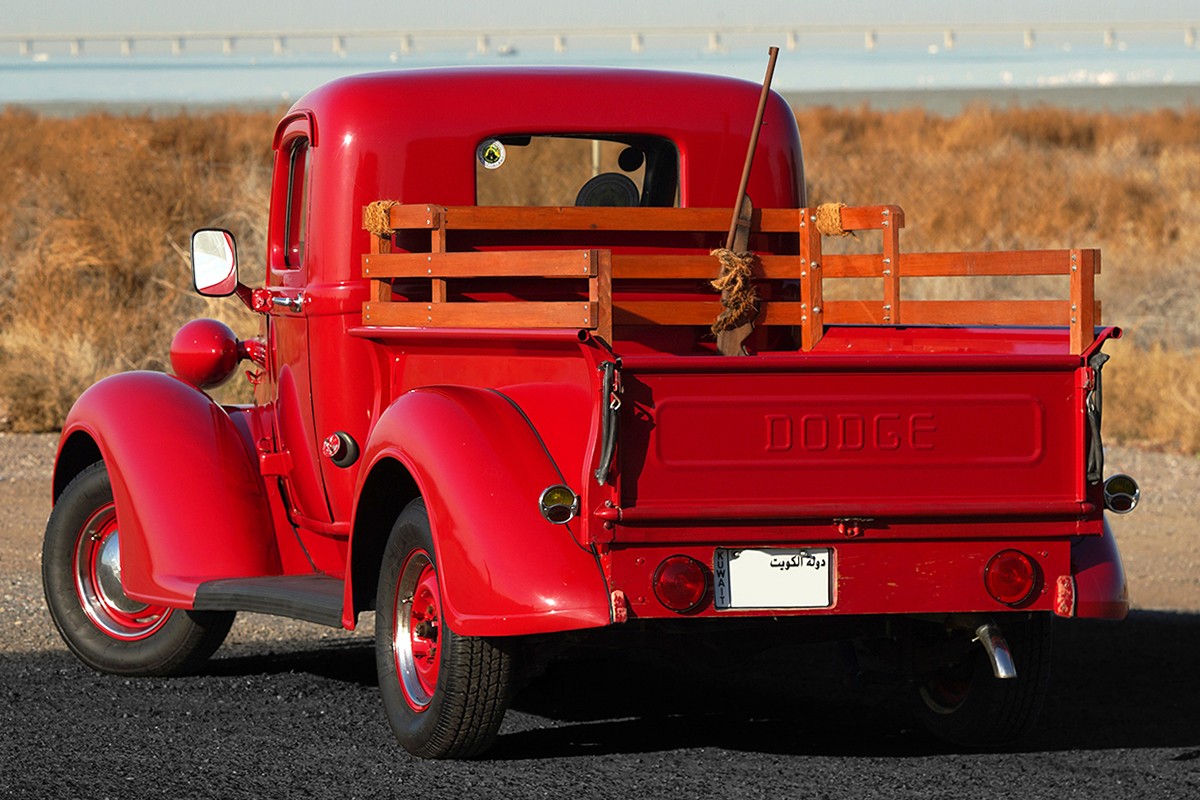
(64, 81)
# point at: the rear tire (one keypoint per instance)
(965, 705)
(445, 695)
(105, 628)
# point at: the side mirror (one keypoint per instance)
(214, 262)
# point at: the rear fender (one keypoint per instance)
(1100, 587)
(190, 501)
(481, 468)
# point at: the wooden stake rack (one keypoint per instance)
(601, 267)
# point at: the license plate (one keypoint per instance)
(799, 577)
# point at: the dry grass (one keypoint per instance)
(94, 227)
(96, 211)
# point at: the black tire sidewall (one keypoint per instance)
(474, 673)
(181, 645)
(415, 730)
(997, 713)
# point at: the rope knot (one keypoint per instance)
(377, 217)
(829, 219)
(738, 293)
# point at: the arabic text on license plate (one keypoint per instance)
(772, 578)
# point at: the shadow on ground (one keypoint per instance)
(1115, 685)
(1123, 685)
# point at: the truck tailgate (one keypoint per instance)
(843, 437)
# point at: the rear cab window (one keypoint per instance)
(554, 170)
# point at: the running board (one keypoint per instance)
(313, 598)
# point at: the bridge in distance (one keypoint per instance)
(500, 41)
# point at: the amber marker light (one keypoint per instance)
(559, 504)
(1011, 577)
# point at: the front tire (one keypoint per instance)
(965, 705)
(445, 695)
(105, 628)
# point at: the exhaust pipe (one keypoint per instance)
(999, 655)
(1121, 494)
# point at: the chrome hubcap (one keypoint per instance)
(98, 582)
(416, 642)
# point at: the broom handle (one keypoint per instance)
(758, 117)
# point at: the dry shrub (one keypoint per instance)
(94, 225)
(95, 214)
(1152, 397)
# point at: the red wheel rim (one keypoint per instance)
(97, 571)
(945, 692)
(416, 637)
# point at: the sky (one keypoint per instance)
(139, 16)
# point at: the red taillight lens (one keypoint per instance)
(680, 583)
(1011, 577)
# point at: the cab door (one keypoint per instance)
(289, 387)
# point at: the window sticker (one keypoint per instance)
(491, 154)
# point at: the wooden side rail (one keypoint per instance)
(1081, 311)
(594, 265)
(810, 268)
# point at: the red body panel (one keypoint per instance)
(805, 438)
(481, 468)
(1100, 587)
(870, 577)
(190, 501)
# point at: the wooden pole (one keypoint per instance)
(758, 118)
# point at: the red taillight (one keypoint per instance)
(680, 583)
(1011, 577)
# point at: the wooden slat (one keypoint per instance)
(437, 244)
(485, 264)
(698, 267)
(381, 292)
(1084, 265)
(891, 266)
(559, 218)
(415, 217)
(482, 315)
(1011, 262)
(859, 265)
(954, 312)
(812, 302)
(481, 218)
(934, 265)
(546, 264)
(865, 218)
(702, 313)
(600, 293)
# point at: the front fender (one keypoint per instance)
(481, 468)
(190, 501)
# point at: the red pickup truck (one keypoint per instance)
(491, 407)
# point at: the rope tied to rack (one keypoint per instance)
(829, 220)
(739, 296)
(377, 217)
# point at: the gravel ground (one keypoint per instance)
(287, 708)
